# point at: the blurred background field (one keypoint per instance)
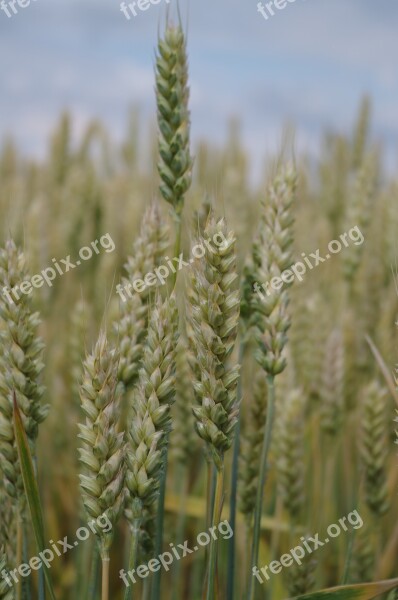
(81, 192)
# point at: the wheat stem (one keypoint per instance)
(234, 485)
(135, 534)
(261, 483)
(105, 578)
(160, 526)
(212, 566)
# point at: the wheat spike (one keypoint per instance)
(6, 592)
(290, 454)
(21, 366)
(359, 214)
(172, 95)
(301, 578)
(214, 309)
(102, 452)
(374, 447)
(272, 254)
(332, 389)
(151, 420)
(364, 556)
(147, 253)
(251, 450)
(184, 439)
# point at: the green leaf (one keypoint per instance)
(31, 489)
(361, 591)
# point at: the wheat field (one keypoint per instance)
(197, 391)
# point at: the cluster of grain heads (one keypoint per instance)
(214, 313)
(147, 253)
(374, 447)
(290, 454)
(151, 424)
(21, 366)
(102, 452)
(272, 254)
(332, 389)
(251, 449)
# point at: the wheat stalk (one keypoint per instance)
(272, 254)
(214, 311)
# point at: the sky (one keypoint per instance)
(310, 64)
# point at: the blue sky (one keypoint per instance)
(310, 64)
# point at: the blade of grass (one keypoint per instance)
(31, 489)
(362, 591)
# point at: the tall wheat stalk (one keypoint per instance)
(272, 255)
(214, 311)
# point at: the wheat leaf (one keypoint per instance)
(31, 489)
(363, 591)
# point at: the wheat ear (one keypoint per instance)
(172, 96)
(251, 449)
(374, 447)
(6, 592)
(147, 253)
(21, 366)
(102, 452)
(332, 389)
(290, 454)
(151, 420)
